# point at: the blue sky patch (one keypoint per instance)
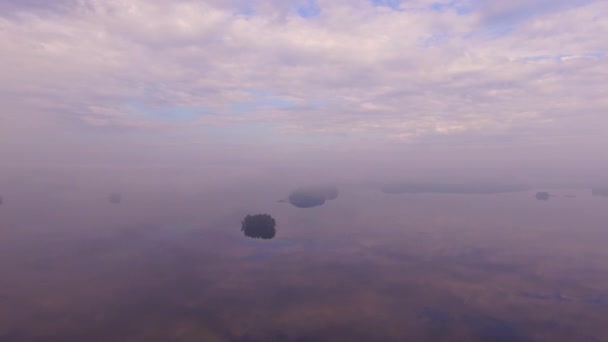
(262, 98)
(309, 9)
(455, 5)
(560, 57)
(394, 4)
(165, 113)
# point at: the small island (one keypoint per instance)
(542, 196)
(459, 189)
(261, 226)
(603, 192)
(115, 198)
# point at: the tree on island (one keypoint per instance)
(261, 226)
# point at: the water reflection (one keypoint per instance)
(369, 268)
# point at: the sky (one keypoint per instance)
(437, 83)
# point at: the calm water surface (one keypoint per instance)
(174, 266)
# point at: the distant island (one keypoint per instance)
(542, 196)
(310, 197)
(602, 192)
(437, 188)
(115, 198)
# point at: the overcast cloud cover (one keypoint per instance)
(112, 81)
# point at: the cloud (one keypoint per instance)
(12, 7)
(314, 68)
(505, 12)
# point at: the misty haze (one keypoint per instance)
(303, 170)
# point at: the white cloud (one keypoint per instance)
(412, 74)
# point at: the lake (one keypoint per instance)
(167, 265)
